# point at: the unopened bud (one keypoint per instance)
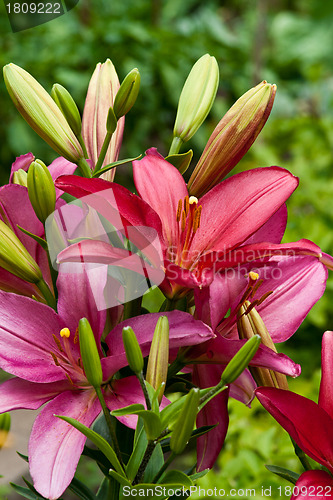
(41, 190)
(20, 177)
(4, 428)
(111, 122)
(15, 258)
(132, 350)
(185, 423)
(67, 105)
(158, 361)
(232, 138)
(250, 324)
(197, 97)
(89, 354)
(241, 360)
(127, 94)
(41, 112)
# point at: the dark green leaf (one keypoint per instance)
(287, 474)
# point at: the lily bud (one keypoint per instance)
(41, 112)
(127, 94)
(132, 349)
(250, 324)
(111, 122)
(4, 428)
(41, 190)
(184, 425)
(20, 177)
(158, 361)
(103, 86)
(89, 354)
(197, 97)
(232, 138)
(15, 258)
(241, 360)
(68, 107)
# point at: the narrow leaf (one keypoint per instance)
(287, 474)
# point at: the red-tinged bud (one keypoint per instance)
(232, 138)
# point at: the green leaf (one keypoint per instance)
(155, 464)
(152, 424)
(176, 476)
(39, 240)
(128, 410)
(24, 457)
(113, 165)
(195, 434)
(198, 475)
(25, 492)
(118, 477)
(287, 474)
(103, 489)
(136, 457)
(98, 440)
(181, 160)
(81, 490)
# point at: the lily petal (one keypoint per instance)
(313, 434)
(273, 230)
(325, 394)
(22, 162)
(125, 392)
(313, 484)
(55, 446)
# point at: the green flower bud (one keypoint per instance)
(249, 324)
(127, 94)
(240, 361)
(232, 138)
(41, 112)
(158, 361)
(197, 97)
(20, 177)
(89, 354)
(132, 349)
(15, 258)
(184, 425)
(111, 122)
(4, 428)
(41, 190)
(67, 105)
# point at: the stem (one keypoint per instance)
(175, 367)
(301, 456)
(84, 167)
(83, 146)
(132, 308)
(148, 453)
(176, 144)
(144, 390)
(169, 305)
(212, 392)
(110, 425)
(103, 151)
(47, 294)
(164, 467)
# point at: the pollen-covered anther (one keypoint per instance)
(55, 359)
(64, 332)
(192, 200)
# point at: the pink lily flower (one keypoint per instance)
(196, 235)
(309, 424)
(35, 347)
(313, 484)
(294, 282)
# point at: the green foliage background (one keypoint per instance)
(287, 42)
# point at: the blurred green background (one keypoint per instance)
(287, 42)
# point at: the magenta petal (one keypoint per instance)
(56, 446)
(162, 186)
(23, 162)
(26, 341)
(306, 422)
(61, 166)
(273, 230)
(313, 484)
(17, 393)
(327, 260)
(228, 220)
(125, 392)
(215, 412)
(243, 388)
(326, 384)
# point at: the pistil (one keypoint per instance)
(188, 216)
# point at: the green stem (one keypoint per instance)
(110, 425)
(47, 294)
(169, 305)
(212, 392)
(103, 151)
(301, 456)
(83, 146)
(164, 467)
(132, 308)
(144, 389)
(84, 167)
(148, 453)
(176, 144)
(175, 367)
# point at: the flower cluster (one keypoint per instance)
(81, 281)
